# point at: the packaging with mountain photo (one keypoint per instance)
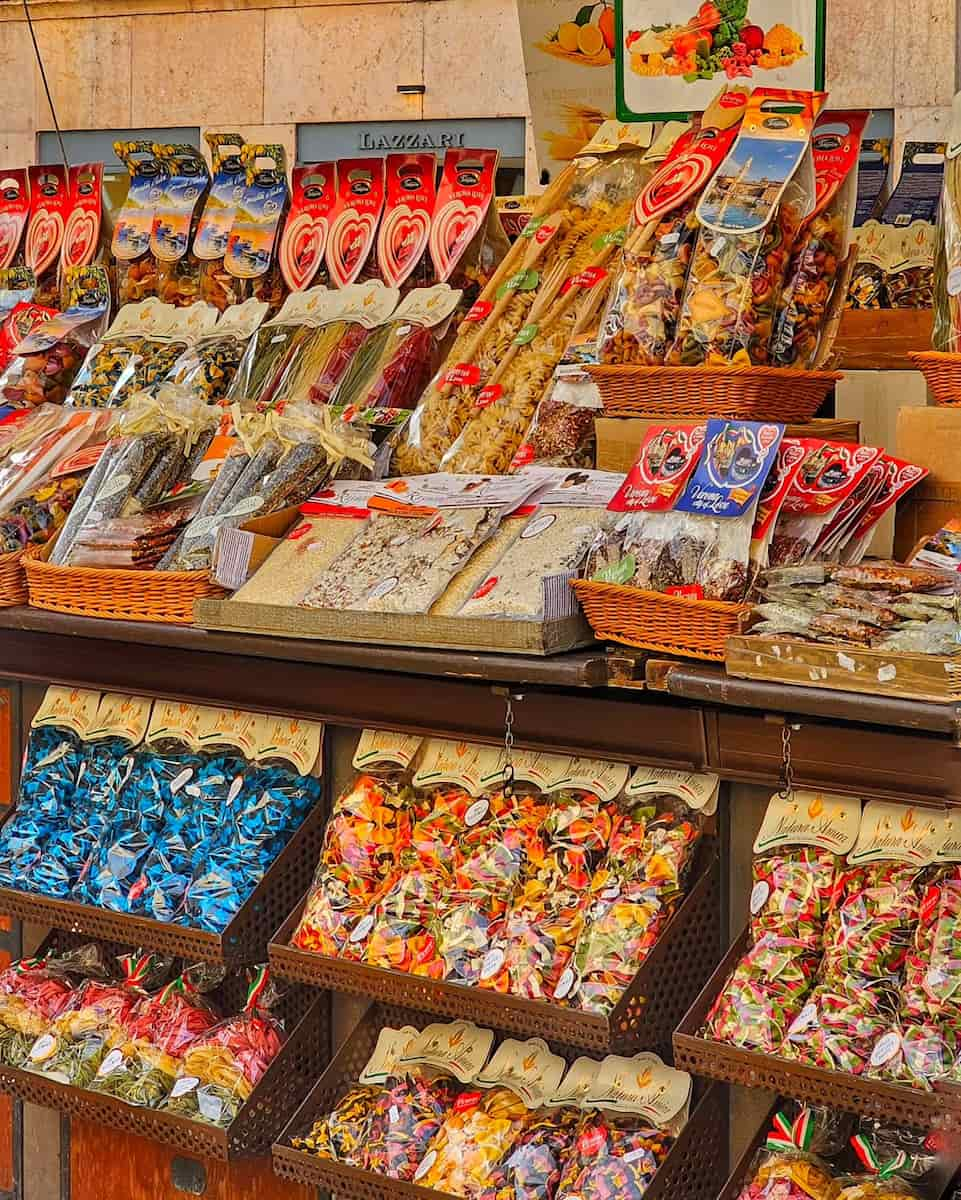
(178, 209)
(251, 254)
(136, 265)
(228, 181)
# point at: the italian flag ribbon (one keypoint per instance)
(259, 978)
(791, 1135)
(135, 969)
(870, 1161)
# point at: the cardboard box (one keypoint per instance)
(931, 437)
(237, 553)
(619, 438)
(923, 511)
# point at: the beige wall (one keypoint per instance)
(264, 65)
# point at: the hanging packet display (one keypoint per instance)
(208, 365)
(874, 162)
(184, 187)
(49, 207)
(899, 478)
(313, 193)
(817, 268)
(790, 458)
(81, 234)
(228, 180)
(462, 225)
(742, 252)
(136, 266)
(355, 218)
(14, 211)
(410, 195)
(251, 252)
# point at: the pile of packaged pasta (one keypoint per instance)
(852, 942)
(814, 1153)
(435, 1107)
(554, 889)
(166, 812)
(700, 262)
(140, 1027)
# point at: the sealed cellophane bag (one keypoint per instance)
(211, 360)
(184, 188)
(947, 283)
(217, 287)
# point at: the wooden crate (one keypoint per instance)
(845, 668)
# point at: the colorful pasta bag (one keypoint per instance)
(410, 195)
(354, 219)
(120, 362)
(748, 231)
(313, 192)
(817, 268)
(929, 992)
(916, 1055)
(35, 991)
(185, 184)
(271, 349)
(15, 211)
(221, 1068)
(251, 252)
(49, 208)
(787, 1168)
(368, 828)
(136, 265)
(208, 365)
(227, 184)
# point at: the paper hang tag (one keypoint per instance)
(150, 317)
(698, 790)
(617, 135)
(185, 183)
(226, 192)
(772, 145)
(530, 766)
(193, 322)
(49, 207)
(298, 742)
(411, 192)
(576, 1085)
(458, 763)
(528, 1069)
(369, 304)
(464, 197)
(299, 307)
(664, 463)
(898, 833)
(176, 721)
(241, 320)
(131, 233)
(354, 218)
(392, 1045)
(384, 747)
(258, 215)
(428, 306)
(642, 1084)
(313, 194)
(460, 1049)
(67, 708)
(230, 727)
(121, 716)
(14, 210)
(809, 818)
(950, 849)
(605, 780)
(81, 234)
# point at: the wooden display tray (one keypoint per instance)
(646, 1015)
(933, 677)
(689, 1172)
(397, 629)
(899, 1103)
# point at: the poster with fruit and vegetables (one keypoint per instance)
(569, 62)
(672, 54)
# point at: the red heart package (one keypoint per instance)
(81, 234)
(360, 201)
(14, 209)
(49, 206)
(464, 201)
(404, 231)
(302, 244)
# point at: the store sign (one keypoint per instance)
(415, 140)
(350, 139)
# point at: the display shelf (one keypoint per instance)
(690, 1170)
(306, 1051)
(813, 1085)
(646, 1015)
(244, 939)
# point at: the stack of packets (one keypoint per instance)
(436, 1108)
(853, 941)
(884, 606)
(555, 890)
(140, 1028)
(822, 1154)
(167, 811)
(705, 508)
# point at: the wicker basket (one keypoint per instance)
(738, 393)
(656, 621)
(117, 595)
(943, 375)
(13, 581)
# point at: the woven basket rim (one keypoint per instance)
(625, 591)
(945, 356)
(157, 577)
(735, 372)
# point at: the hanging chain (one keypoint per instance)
(787, 771)
(509, 748)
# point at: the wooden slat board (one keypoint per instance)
(880, 339)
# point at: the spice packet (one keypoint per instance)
(817, 263)
(136, 266)
(175, 216)
(354, 218)
(81, 234)
(829, 474)
(635, 551)
(741, 257)
(313, 195)
(49, 208)
(14, 211)
(410, 195)
(228, 181)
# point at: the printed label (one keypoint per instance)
(665, 461)
(809, 818)
(898, 833)
(385, 746)
(461, 1049)
(528, 1069)
(698, 789)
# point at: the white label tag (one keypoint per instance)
(43, 1047)
(493, 961)
(425, 1165)
(113, 1062)
(564, 984)
(184, 1085)
(885, 1049)
(362, 928)
(477, 812)
(803, 1021)
(178, 781)
(759, 896)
